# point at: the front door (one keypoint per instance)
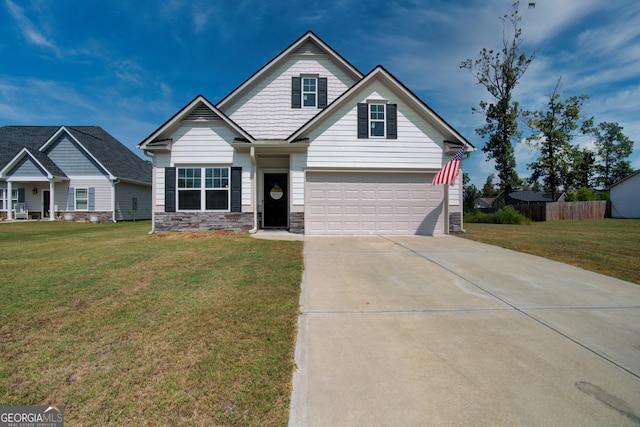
(46, 203)
(276, 201)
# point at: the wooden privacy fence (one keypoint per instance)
(564, 210)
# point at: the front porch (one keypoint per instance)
(28, 200)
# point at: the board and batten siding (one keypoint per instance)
(125, 192)
(72, 159)
(335, 143)
(265, 110)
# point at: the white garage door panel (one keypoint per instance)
(365, 203)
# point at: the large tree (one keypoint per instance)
(612, 148)
(553, 130)
(499, 72)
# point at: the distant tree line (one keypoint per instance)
(560, 165)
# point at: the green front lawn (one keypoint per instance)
(607, 246)
(123, 328)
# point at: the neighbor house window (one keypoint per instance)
(210, 193)
(3, 199)
(309, 91)
(376, 120)
(82, 199)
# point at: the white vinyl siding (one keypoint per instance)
(265, 110)
(338, 146)
(102, 188)
(625, 198)
(202, 144)
(298, 162)
(125, 192)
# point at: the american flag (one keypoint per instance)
(448, 173)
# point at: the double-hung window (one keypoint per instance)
(82, 199)
(203, 188)
(376, 120)
(309, 91)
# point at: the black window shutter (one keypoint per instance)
(322, 92)
(392, 121)
(236, 189)
(20, 195)
(71, 199)
(169, 189)
(363, 121)
(296, 92)
(92, 198)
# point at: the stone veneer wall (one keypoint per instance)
(84, 216)
(196, 221)
(296, 222)
(455, 222)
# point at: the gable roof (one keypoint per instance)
(308, 44)
(534, 196)
(379, 73)
(630, 176)
(42, 161)
(111, 154)
(155, 139)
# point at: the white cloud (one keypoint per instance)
(29, 30)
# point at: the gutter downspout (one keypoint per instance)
(253, 191)
(153, 211)
(113, 198)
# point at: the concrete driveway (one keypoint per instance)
(442, 331)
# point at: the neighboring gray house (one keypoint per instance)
(47, 171)
(310, 144)
(625, 197)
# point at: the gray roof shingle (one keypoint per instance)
(111, 153)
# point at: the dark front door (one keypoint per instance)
(46, 203)
(276, 201)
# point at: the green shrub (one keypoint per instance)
(586, 195)
(506, 215)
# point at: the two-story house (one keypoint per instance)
(309, 144)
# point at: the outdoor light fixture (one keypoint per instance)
(35, 190)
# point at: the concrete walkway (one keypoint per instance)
(442, 331)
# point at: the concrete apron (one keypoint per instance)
(422, 331)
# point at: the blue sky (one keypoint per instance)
(128, 66)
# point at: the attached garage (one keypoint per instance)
(373, 203)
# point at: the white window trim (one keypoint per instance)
(384, 121)
(302, 92)
(75, 199)
(203, 188)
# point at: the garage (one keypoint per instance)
(372, 203)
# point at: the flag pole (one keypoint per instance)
(446, 209)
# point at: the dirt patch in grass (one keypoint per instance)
(128, 329)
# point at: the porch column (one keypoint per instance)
(9, 202)
(52, 214)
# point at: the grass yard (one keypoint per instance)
(609, 246)
(122, 328)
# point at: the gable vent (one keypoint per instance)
(202, 113)
(309, 48)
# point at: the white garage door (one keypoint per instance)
(367, 203)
